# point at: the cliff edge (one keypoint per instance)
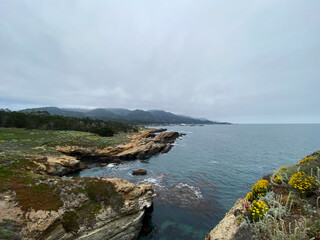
(282, 205)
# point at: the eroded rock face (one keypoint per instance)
(228, 227)
(142, 145)
(56, 165)
(118, 214)
(167, 137)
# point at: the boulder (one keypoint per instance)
(139, 172)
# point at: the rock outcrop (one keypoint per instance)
(139, 172)
(142, 145)
(95, 209)
(74, 158)
(57, 165)
(228, 227)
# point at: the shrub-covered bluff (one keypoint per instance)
(37, 203)
(283, 205)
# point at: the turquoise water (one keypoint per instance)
(209, 169)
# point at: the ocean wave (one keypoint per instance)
(180, 194)
(157, 182)
(193, 189)
(177, 144)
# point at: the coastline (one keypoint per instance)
(38, 204)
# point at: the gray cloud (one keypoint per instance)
(239, 61)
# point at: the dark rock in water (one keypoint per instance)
(139, 172)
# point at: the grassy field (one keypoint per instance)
(18, 141)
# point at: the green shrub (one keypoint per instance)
(101, 190)
(70, 221)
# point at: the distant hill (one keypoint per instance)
(124, 115)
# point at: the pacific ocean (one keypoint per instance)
(208, 169)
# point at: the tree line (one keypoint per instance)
(43, 120)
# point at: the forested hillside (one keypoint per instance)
(43, 120)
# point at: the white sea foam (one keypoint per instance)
(110, 165)
(156, 182)
(195, 190)
(181, 194)
(177, 144)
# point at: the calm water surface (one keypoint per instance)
(209, 169)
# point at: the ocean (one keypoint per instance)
(208, 169)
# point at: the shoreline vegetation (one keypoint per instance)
(37, 202)
(282, 205)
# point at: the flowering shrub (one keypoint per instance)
(260, 188)
(250, 197)
(282, 168)
(277, 179)
(303, 183)
(258, 209)
(305, 160)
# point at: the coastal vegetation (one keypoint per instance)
(21, 142)
(44, 121)
(284, 205)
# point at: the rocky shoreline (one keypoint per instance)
(146, 143)
(37, 203)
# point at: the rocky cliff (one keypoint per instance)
(55, 208)
(228, 227)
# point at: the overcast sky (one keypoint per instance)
(238, 61)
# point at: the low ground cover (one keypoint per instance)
(286, 204)
(19, 141)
